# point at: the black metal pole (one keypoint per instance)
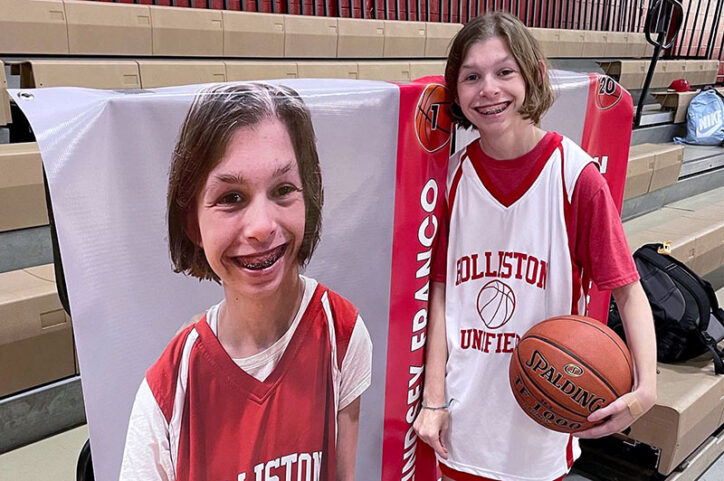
(721, 47)
(686, 20)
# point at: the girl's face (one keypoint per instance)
(491, 89)
(250, 211)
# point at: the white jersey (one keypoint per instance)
(508, 267)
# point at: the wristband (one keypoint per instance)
(438, 408)
(634, 406)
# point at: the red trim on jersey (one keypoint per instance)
(454, 187)
(569, 452)
(227, 369)
(344, 314)
(570, 231)
(461, 476)
(161, 376)
(542, 152)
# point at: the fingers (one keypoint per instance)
(619, 418)
(430, 427)
(618, 406)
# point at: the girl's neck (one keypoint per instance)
(250, 325)
(512, 143)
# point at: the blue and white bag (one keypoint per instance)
(704, 120)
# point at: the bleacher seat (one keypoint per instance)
(22, 195)
(652, 167)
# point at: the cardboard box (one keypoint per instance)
(36, 340)
(549, 40)
(594, 44)
(310, 36)
(423, 68)
(617, 44)
(33, 26)
(330, 69)
(687, 411)
(709, 249)
(187, 32)
(99, 28)
(678, 102)
(360, 38)
(165, 73)
(668, 160)
(5, 116)
(259, 70)
(438, 37)
(571, 43)
(100, 74)
(248, 34)
(629, 73)
(22, 194)
(404, 39)
(639, 171)
(389, 71)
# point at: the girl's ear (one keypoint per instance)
(191, 227)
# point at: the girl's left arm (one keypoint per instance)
(639, 326)
(347, 429)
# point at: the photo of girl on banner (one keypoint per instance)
(268, 382)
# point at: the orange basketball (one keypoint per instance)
(567, 367)
(432, 118)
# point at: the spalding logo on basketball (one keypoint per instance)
(567, 367)
(608, 92)
(432, 118)
(496, 303)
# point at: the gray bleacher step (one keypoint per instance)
(25, 248)
(36, 414)
(684, 188)
(701, 158)
(653, 115)
(657, 134)
(582, 65)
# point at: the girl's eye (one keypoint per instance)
(471, 77)
(231, 198)
(505, 72)
(286, 189)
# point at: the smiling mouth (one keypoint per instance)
(263, 260)
(492, 109)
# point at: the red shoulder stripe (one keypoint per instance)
(163, 374)
(344, 315)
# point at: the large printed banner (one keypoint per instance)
(383, 151)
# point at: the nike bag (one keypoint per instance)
(704, 119)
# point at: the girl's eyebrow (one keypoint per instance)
(505, 59)
(238, 179)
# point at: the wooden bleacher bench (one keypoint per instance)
(694, 226)
(678, 102)
(652, 167)
(36, 340)
(632, 73)
(73, 27)
(22, 194)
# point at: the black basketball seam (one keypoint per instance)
(602, 331)
(574, 356)
(553, 401)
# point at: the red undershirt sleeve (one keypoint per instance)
(438, 267)
(600, 242)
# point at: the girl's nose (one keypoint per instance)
(488, 87)
(259, 223)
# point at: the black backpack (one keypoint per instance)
(687, 316)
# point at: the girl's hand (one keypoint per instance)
(430, 426)
(621, 414)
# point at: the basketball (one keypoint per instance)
(432, 119)
(496, 303)
(567, 367)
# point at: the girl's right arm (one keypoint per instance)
(147, 456)
(431, 424)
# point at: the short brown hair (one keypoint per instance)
(216, 113)
(526, 52)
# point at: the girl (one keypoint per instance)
(266, 385)
(524, 193)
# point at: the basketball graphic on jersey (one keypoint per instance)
(496, 303)
(608, 92)
(432, 119)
